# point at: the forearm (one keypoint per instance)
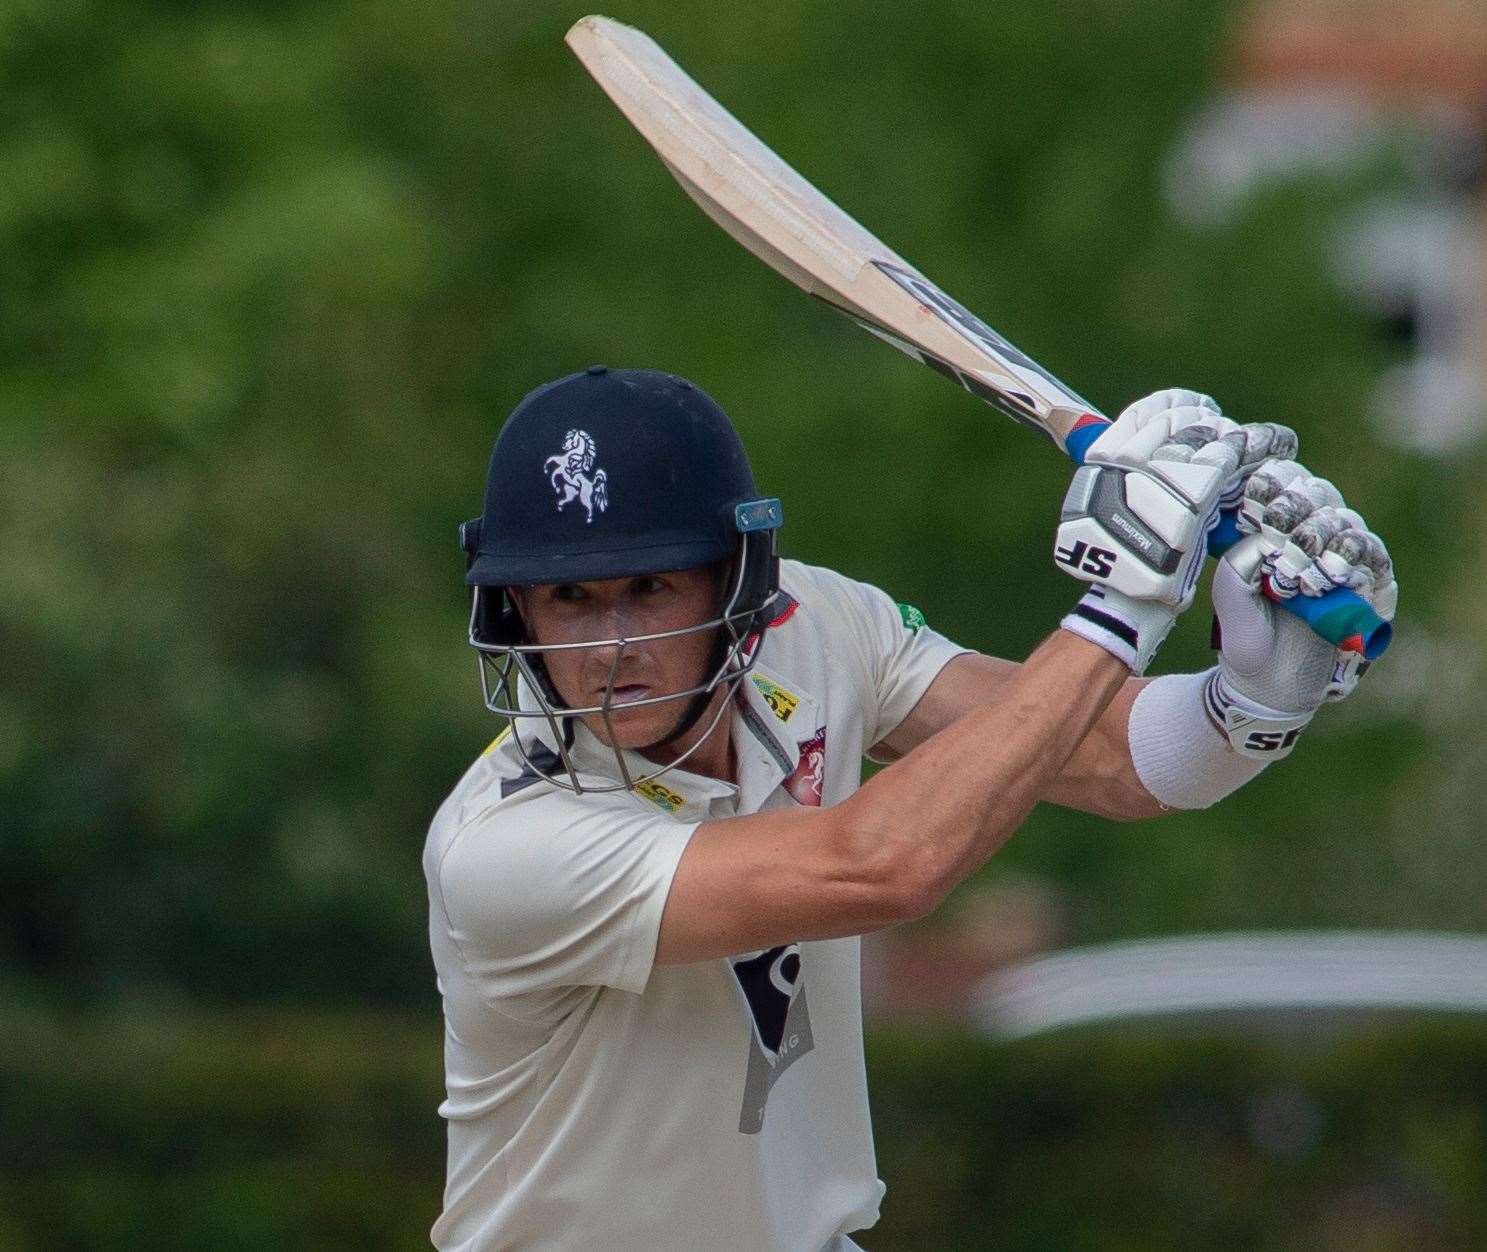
(952, 801)
(1100, 776)
(1156, 749)
(1179, 752)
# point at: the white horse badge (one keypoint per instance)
(574, 477)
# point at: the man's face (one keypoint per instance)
(622, 608)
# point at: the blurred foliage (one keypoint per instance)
(151, 1127)
(272, 274)
(1126, 1140)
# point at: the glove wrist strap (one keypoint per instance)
(1253, 730)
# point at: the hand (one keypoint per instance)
(1195, 420)
(1138, 508)
(1274, 672)
(1312, 541)
(1136, 516)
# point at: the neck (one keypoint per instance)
(714, 755)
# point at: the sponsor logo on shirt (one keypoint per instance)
(781, 703)
(805, 783)
(661, 795)
(774, 991)
(913, 619)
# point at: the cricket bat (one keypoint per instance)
(778, 216)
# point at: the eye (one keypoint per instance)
(569, 593)
(649, 585)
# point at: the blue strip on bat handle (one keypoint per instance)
(1341, 617)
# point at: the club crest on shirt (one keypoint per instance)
(781, 703)
(773, 988)
(806, 782)
(573, 476)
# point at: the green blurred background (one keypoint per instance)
(272, 274)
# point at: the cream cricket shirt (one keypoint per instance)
(597, 1101)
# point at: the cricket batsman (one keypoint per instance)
(645, 897)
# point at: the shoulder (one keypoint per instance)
(826, 596)
(538, 887)
(504, 820)
(844, 609)
(828, 636)
(816, 585)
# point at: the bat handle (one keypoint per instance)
(1341, 617)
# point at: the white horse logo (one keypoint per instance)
(574, 477)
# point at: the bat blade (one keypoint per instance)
(745, 188)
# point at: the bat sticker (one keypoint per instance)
(1002, 401)
(973, 328)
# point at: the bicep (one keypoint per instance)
(1098, 778)
(967, 682)
(747, 883)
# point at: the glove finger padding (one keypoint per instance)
(1311, 541)
(1176, 406)
(1345, 553)
(1252, 445)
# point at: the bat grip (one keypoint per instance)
(1341, 617)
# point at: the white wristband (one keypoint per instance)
(1130, 630)
(1181, 757)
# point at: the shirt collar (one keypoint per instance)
(678, 792)
(772, 717)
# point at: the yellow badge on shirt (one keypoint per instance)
(782, 703)
(661, 795)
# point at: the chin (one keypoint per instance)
(637, 728)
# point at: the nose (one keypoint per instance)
(607, 657)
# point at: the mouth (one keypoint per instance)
(627, 693)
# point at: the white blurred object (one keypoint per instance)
(1244, 140)
(1410, 688)
(1424, 260)
(1430, 404)
(1293, 971)
(1418, 262)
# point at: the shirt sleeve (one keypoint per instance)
(560, 891)
(902, 654)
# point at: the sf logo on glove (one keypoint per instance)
(1087, 559)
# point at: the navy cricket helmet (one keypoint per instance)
(613, 473)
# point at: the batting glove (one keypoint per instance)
(1137, 514)
(1274, 672)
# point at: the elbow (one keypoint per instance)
(916, 900)
(894, 879)
(918, 886)
(900, 894)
